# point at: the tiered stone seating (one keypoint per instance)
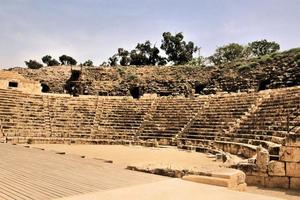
(168, 117)
(119, 118)
(211, 126)
(236, 123)
(71, 117)
(268, 125)
(21, 114)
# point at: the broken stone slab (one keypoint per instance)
(160, 171)
(236, 176)
(231, 178)
(262, 159)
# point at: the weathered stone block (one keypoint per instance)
(255, 180)
(277, 182)
(293, 169)
(262, 159)
(295, 183)
(276, 168)
(247, 168)
(293, 140)
(290, 154)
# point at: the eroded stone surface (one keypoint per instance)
(276, 168)
(293, 169)
(290, 154)
(262, 159)
(295, 183)
(277, 182)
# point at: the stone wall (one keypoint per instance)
(281, 173)
(14, 81)
(267, 72)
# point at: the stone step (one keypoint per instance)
(231, 178)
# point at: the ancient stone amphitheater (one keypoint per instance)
(262, 127)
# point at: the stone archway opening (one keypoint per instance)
(45, 88)
(199, 88)
(263, 84)
(136, 92)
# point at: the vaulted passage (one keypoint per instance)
(45, 88)
(263, 84)
(199, 88)
(136, 92)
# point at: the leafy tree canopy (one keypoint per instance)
(177, 50)
(67, 60)
(124, 57)
(228, 53)
(113, 61)
(263, 47)
(145, 54)
(49, 61)
(88, 63)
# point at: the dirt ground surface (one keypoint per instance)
(171, 189)
(141, 156)
(170, 157)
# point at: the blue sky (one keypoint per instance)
(94, 29)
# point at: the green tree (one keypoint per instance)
(49, 61)
(125, 57)
(67, 60)
(88, 63)
(228, 53)
(177, 50)
(263, 47)
(53, 62)
(32, 64)
(145, 54)
(46, 59)
(113, 61)
(199, 61)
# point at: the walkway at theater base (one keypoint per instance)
(28, 173)
(172, 189)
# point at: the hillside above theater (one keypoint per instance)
(277, 70)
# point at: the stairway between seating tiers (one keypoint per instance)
(236, 123)
(168, 117)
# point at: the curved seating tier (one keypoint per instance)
(169, 116)
(236, 123)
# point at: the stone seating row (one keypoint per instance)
(224, 120)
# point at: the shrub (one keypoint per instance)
(32, 64)
(132, 77)
(121, 70)
(265, 59)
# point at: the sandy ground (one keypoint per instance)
(171, 189)
(171, 157)
(141, 156)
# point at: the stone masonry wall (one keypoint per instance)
(281, 173)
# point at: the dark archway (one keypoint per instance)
(263, 84)
(13, 84)
(199, 88)
(164, 93)
(45, 88)
(136, 92)
(73, 84)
